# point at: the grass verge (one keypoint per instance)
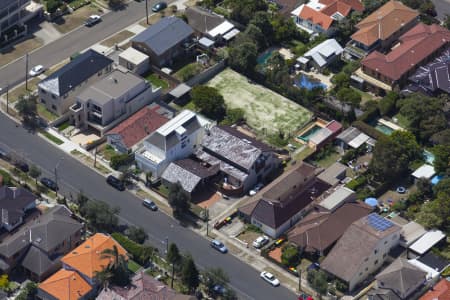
(52, 138)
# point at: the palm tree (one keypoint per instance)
(118, 265)
(104, 277)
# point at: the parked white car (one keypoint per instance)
(270, 278)
(256, 189)
(36, 70)
(260, 241)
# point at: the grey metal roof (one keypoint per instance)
(238, 151)
(13, 202)
(333, 173)
(38, 262)
(165, 34)
(75, 72)
(113, 86)
(174, 173)
(401, 277)
(201, 19)
(46, 232)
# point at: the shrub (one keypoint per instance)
(371, 113)
(120, 160)
(141, 254)
(7, 180)
(357, 183)
(290, 256)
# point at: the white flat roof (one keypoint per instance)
(430, 272)
(150, 156)
(336, 198)
(134, 56)
(427, 241)
(204, 41)
(411, 232)
(425, 171)
(231, 34)
(176, 122)
(221, 29)
(359, 140)
(296, 12)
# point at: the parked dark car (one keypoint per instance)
(159, 6)
(150, 204)
(115, 182)
(49, 183)
(22, 166)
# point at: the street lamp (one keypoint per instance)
(146, 11)
(7, 97)
(166, 240)
(56, 175)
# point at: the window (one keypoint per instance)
(43, 91)
(367, 269)
(53, 107)
(375, 251)
(384, 255)
(42, 100)
(385, 242)
(53, 96)
(376, 262)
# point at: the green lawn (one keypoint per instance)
(133, 266)
(157, 81)
(264, 110)
(52, 138)
(107, 152)
(328, 160)
(44, 113)
(364, 96)
(63, 126)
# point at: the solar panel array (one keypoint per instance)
(379, 223)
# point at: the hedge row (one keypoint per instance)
(141, 254)
(357, 183)
(367, 129)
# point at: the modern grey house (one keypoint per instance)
(40, 244)
(58, 91)
(13, 12)
(110, 100)
(164, 41)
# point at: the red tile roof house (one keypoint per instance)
(285, 201)
(381, 28)
(415, 48)
(441, 291)
(130, 132)
(319, 16)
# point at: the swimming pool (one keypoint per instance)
(304, 81)
(429, 157)
(264, 57)
(305, 136)
(384, 129)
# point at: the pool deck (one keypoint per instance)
(322, 78)
(319, 122)
(390, 124)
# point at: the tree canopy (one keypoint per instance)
(178, 200)
(393, 154)
(137, 234)
(209, 101)
(189, 274)
(243, 56)
(242, 11)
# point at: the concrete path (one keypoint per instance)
(48, 33)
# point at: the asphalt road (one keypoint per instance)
(74, 177)
(76, 41)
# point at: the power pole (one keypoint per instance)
(173, 274)
(146, 11)
(7, 98)
(26, 71)
(95, 156)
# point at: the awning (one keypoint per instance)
(180, 90)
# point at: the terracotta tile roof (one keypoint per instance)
(65, 285)
(384, 22)
(86, 258)
(344, 7)
(139, 125)
(316, 17)
(415, 45)
(441, 291)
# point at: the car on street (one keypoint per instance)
(22, 166)
(115, 182)
(150, 204)
(36, 70)
(219, 289)
(92, 20)
(219, 246)
(159, 6)
(270, 278)
(47, 182)
(260, 241)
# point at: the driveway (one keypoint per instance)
(442, 8)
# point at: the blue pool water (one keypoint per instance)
(305, 137)
(262, 59)
(384, 129)
(429, 157)
(304, 82)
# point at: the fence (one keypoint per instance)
(207, 74)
